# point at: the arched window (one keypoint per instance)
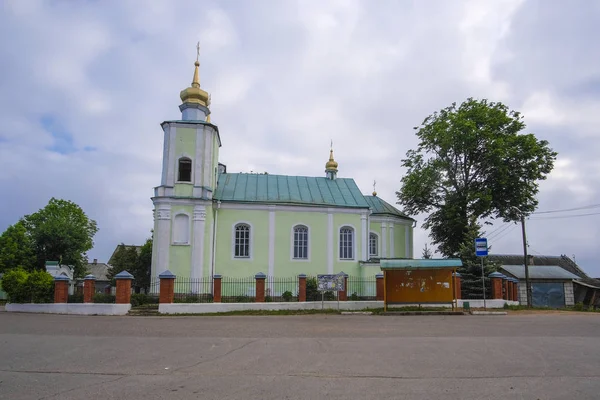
(301, 242)
(185, 170)
(242, 241)
(346, 243)
(373, 245)
(181, 229)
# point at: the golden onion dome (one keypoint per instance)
(331, 164)
(194, 94)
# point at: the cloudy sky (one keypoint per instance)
(85, 85)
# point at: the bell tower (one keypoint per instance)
(183, 213)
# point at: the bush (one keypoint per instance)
(287, 295)
(14, 283)
(312, 292)
(75, 298)
(354, 297)
(103, 298)
(28, 287)
(578, 307)
(140, 299)
(268, 299)
(192, 298)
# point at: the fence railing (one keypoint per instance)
(277, 289)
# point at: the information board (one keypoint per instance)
(334, 283)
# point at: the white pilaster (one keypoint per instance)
(364, 235)
(206, 157)
(198, 164)
(330, 242)
(407, 243)
(172, 156)
(271, 241)
(199, 222)
(384, 239)
(163, 237)
(391, 231)
(165, 165)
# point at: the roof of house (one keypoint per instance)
(430, 263)
(550, 272)
(284, 189)
(562, 261)
(99, 270)
(379, 206)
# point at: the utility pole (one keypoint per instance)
(525, 262)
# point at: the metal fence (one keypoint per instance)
(193, 290)
(361, 289)
(238, 290)
(281, 289)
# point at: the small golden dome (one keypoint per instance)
(194, 94)
(374, 193)
(331, 164)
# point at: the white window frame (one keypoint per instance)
(293, 242)
(376, 244)
(174, 227)
(353, 243)
(191, 181)
(250, 240)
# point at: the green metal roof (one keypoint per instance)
(382, 207)
(430, 263)
(549, 272)
(263, 188)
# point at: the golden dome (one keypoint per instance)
(331, 164)
(194, 94)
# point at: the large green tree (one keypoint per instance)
(16, 249)
(136, 261)
(472, 162)
(62, 232)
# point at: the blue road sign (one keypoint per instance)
(481, 247)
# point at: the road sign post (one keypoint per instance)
(481, 250)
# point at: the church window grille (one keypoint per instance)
(242, 241)
(185, 170)
(346, 243)
(301, 242)
(373, 245)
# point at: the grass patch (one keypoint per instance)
(261, 312)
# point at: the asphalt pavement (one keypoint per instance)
(554, 356)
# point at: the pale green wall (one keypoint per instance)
(208, 243)
(185, 145)
(349, 267)
(226, 264)
(180, 256)
(184, 189)
(399, 241)
(317, 243)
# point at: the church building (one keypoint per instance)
(209, 221)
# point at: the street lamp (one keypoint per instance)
(525, 263)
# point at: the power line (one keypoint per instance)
(564, 216)
(567, 209)
(499, 230)
(505, 233)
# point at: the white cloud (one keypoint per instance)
(285, 78)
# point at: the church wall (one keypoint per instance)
(180, 256)
(400, 241)
(208, 241)
(225, 263)
(350, 267)
(375, 227)
(316, 263)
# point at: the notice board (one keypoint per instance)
(419, 286)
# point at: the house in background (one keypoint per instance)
(586, 290)
(55, 269)
(127, 246)
(100, 272)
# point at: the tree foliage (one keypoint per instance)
(22, 286)
(472, 163)
(427, 254)
(136, 261)
(61, 231)
(16, 249)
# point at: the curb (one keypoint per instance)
(423, 313)
(357, 313)
(489, 313)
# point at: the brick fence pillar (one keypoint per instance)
(61, 289)
(216, 288)
(301, 288)
(167, 287)
(260, 287)
(509, 289)
(343, 294)
(496, 278)
(123, 279)
(89, 288)
(379, 287)
(504, 287)
(515, 289)
(457, 287)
